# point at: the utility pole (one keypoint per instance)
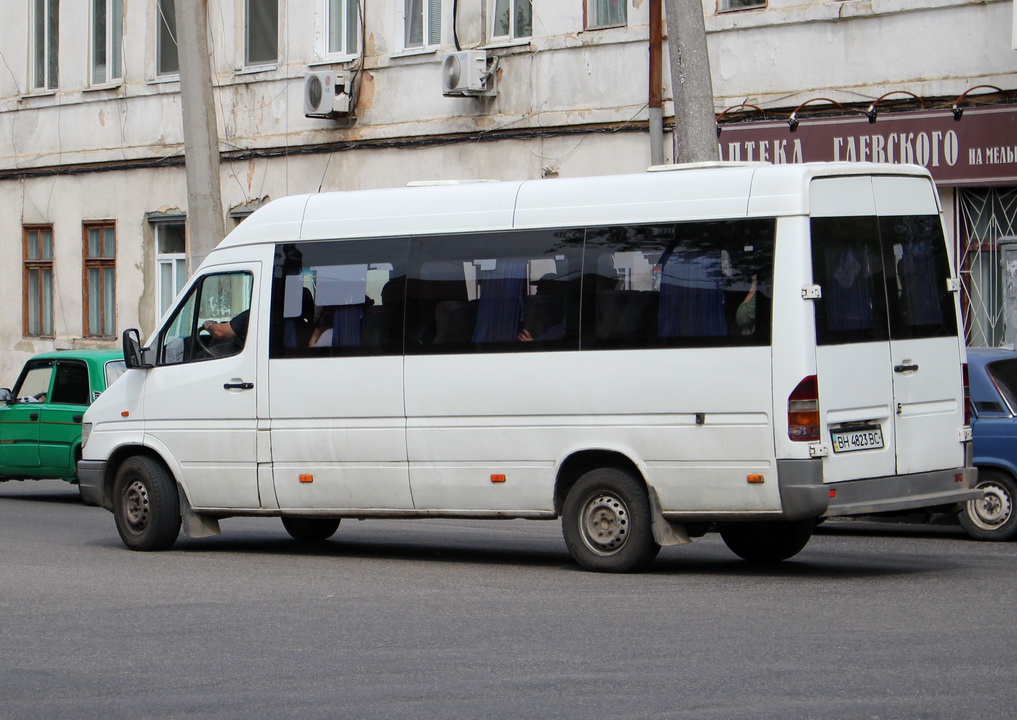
(656, 89)
(205, 222)
(695, 119)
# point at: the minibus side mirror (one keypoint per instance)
(134, 356)
(5, 396)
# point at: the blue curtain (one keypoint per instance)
(691, 295)
(917, 276)
(500, 307)
(347, 321)
(847, 293)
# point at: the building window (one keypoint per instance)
(732, 5)
(606, 13)
(170, 262)
(107, 41)
(45, 44)
(342, 26)
(99, 282)
(38, 281)
(512, 19)
(422, 23)
(167, 61)
(261, 32)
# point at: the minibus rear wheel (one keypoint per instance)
(146, 506)
(310, 529)
(767, 541)
(606, 522)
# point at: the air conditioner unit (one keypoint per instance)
(468, 72)
(327, 93)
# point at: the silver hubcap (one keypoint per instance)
(993, 510)
(604, 523)
(136, 506)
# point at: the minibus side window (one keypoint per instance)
(494, 292)
(338, 298)
(211, 322)
(848, 266)
(698, 284)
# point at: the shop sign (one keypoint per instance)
(978, 149)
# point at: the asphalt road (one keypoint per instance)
(472, 619)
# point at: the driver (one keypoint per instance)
(230, 330)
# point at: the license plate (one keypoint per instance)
(870, 438)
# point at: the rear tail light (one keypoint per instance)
(967, 394)
(803, 411)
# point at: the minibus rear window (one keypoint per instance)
(881, 279)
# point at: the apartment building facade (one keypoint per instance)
(93, 195)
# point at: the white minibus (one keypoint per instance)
(738, 349)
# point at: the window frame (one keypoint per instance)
(112, 67)
(49, 62)
(41, 265)
(173, 260)
(430, 25)
(105, 265)
(165, 32)
(513, 34)
(726, 6)
(249, 29)
(593, 19)
(349, 17)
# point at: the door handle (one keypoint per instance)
(76, 418)
(238, 386)
(33, 416)
(905, 368)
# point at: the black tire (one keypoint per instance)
(310, 529)
(992, 517)
(606, 522)
(767, 542)
(146, 506)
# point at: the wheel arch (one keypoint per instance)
(581, 462)
(118, 457)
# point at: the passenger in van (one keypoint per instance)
(543, 312)
(745, 315)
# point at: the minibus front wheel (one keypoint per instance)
(606, 522)
(146, 506)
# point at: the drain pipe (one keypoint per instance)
(656, 104)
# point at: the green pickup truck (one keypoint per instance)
(40, 419)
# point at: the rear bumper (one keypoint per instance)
(902, 492)
(90, 474)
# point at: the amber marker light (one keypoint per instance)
(497, 478)
(125, 413)
(306, 478)
(754, 478)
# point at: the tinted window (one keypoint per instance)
(678, 285)
(848, 266)
(921, 304)
(339, 298)
(495, 292)
(70, 384)
(881, 279)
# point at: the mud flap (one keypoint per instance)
(665, 532)
(196, 526)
